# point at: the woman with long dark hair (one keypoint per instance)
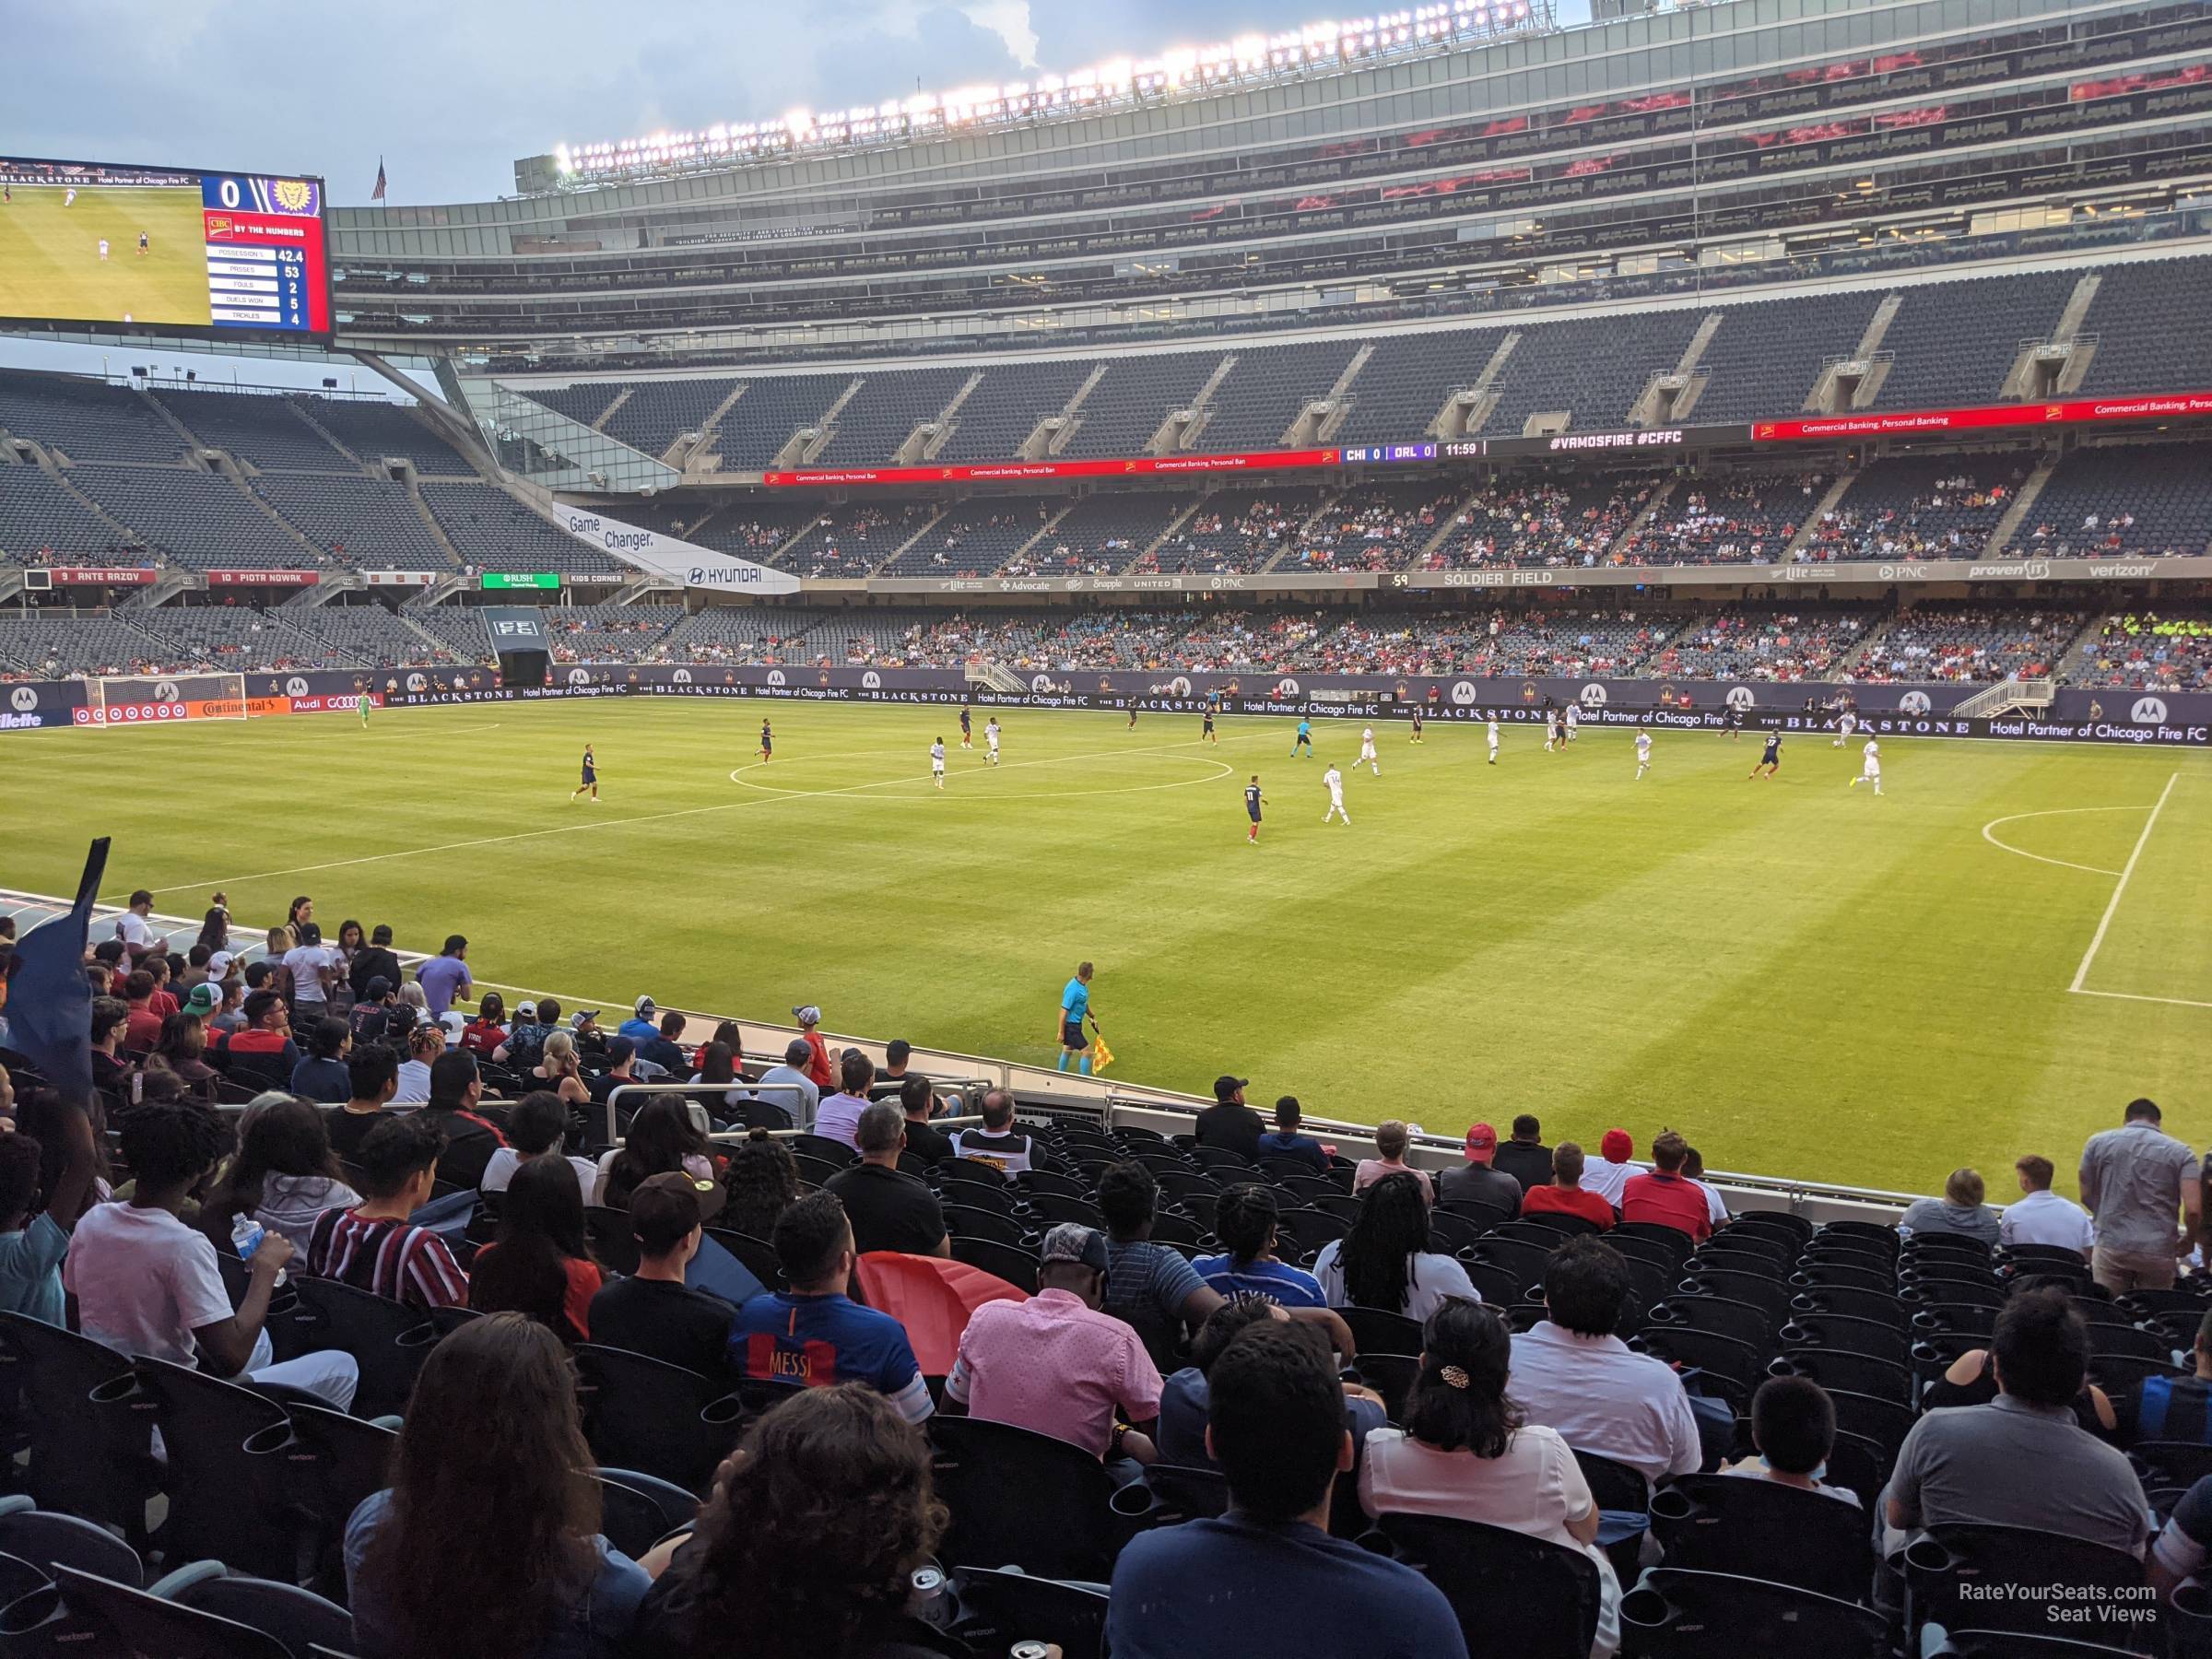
(1467, 1452)
(481, 1035)
(661, 1140)
(284, 1173)
(1384, 1261)
(352, 941)
(214, 929)
(807, 1548)
(181, 1049)
(762, 1181)
(486, 1542)
(540, 1262)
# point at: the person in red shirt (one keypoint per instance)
(1665, 1195)
(142, 1031)
(1565, 1194)
(819, 1071)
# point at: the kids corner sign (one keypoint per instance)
(666, 555)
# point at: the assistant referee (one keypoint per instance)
(1075, 1007)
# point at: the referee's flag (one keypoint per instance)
(1101, 1055)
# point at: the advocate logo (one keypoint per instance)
(23, 698)
(2148, 710)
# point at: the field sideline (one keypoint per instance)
(1805, 980)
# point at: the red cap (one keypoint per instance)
(1616, 1145)
(1482, 1143)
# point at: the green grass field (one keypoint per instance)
(1805, 980)
(49, 263)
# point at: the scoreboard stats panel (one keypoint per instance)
(266, 267)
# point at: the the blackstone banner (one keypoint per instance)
(2078, 715)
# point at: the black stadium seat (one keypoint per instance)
(1024, 1499)
(1677, 1612)
(228, 1476)
(1963, 1576)
(643, 1413)
(1019, 1607)
(1762, 1529)
(298, 1618)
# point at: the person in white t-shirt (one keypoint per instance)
(1574, 721)
(313, 967)
(1466, 1453)
(936, 762)
(1385, 1263)
(536, 1128)
(140, 937)
(1694, 1171)
(425, 1045)
(144, 1283)
(2040, 1217)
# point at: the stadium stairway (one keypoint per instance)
(2023, 504)
(1821, 509)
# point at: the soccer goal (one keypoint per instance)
(152, 699)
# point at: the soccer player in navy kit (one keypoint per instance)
(1770, 761)
(768, 742)
(1252, 809)
(966, 735)
(590, 776)
(1417, 722)
(1205, 732)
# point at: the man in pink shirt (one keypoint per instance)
(1056, 1365)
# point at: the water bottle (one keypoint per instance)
(246, 1235)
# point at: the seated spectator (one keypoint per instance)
(1794, 1427)
(2180, 1408)
(559, 1070)
(1392, 1138)
(2177, 1554)
(653, 1311)
(662, 1139)
(814, 1334)
(1183, 1396)
(263, 1053)
(1960, 1210)
(534, 1023)
(372, 1011)
(1694, 1171)
(483, 1035)
(321, 1076)
(372, 1078)
(790, 1088)
(998, 1143)
(1229, 1123)
(1477, 1181)
(621, 1069)
(110, 1071)
(1267, 1578)
(1151, 1289)
(1565, 1194)
(1384, 1261)
(536, 1127)
(470, 1140)
(182, 1043)
(663, 1048)
(889, 1209)
(142, 1027)
(1245, 1218)
(488, 1541)
(284, 1173)
(838, 1118)
(1663, 1197)
(808, 1546)
(2022, 1460)
(924, 1139)
(1285, 1141)
(425, 1045)
(375, 1246)
(718, 1064)
(1570, 1373)
(144, 1283)
(1467, 1452)
(1526, 1157)
(763, 1182)
(1615, 1165)
(1971, 1378)
(2039, 1215)
(34, 1225)
(540, 1262)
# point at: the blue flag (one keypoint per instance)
(50, 1001)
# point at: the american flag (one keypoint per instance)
(378, 194)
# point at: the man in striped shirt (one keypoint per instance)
(373, 1247)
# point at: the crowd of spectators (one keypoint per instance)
(1542, 522)
(1948, 640)
(2149, 650)
(1725, 519)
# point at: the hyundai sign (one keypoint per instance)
(659, 555)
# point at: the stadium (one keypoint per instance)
(1620, 610)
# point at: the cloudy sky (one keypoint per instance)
(449, 92)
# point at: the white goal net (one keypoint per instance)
(158, 700)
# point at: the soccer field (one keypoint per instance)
(1804, 979)
(49, 263)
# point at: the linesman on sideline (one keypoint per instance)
(1074, 1008)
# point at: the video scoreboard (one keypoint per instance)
(267, 269)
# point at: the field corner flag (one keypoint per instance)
(378, 194)
(50, 1001)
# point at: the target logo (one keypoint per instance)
(1463, 692)
(23, 698)
(775, 677)
(1741, 697)
(166, 691)
(416, 682)
(1914, 702)
(871, 681)
(682, 677)
(295, 686)
(1593, 695)
(2148, 710)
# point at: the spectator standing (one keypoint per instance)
(374, 1246)
(1526, 1157)
(1610, 1174)
(1245, 1219)
(1266, 1577)
(314, 967)
(653, 1312)
(819, 1071)
(1056, 1365)
(377, 961)
(1151, 1289)
(889, 1209)
(794, 1074)
(1467, 1453)
(322, 1075)
(1793, 1430)
(1664, 1197)
(1285, 1141)
(135, 929)
(444, 978)
(996, 1143)
(1478, 1180)
(540, 1262)
(814, 1334)
(2039, 1215)
(1229, 1123)
(284, 1173)
(1565, 1194)
(537, 1127)
(1959, 1211)
(1384, 1261)
(838, 1118)
(1570, 1373)
(1392, 1140)
(2134, 1180)
(488, 1542)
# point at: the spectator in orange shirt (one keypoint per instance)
(1565, 1194)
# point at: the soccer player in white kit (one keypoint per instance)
(1574, 720)
(1493, 740)
(103, 247)
(991, 737)
(1870, 768)
(1846, 724)
(936, 762)
(1367, 751)
(69, 197)
(1333, 781)
(1643, 752)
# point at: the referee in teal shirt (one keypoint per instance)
(1075, 1007)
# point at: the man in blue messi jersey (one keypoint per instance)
(1074, 1008)
(1305, 737)
(1252, 809)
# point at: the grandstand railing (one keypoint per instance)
(2005, 696)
